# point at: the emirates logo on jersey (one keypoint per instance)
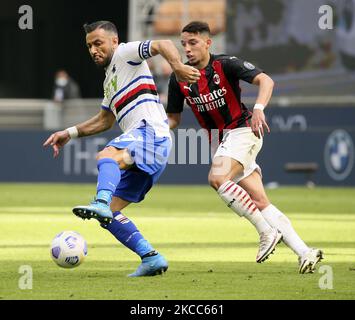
(209, 101)
(216, 79)
(209, 97)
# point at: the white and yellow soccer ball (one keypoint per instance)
(68, 249)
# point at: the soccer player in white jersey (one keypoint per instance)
(130, 164)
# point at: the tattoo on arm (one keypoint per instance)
(97, 124)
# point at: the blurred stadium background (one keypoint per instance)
(312, 113)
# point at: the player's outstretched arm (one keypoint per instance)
(167, 49)
(258, 121)
(103, 121)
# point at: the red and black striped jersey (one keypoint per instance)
(216, 98)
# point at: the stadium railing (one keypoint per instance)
(47, 115)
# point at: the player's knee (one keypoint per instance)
(106, 153)
(122, 157)
(216, 181)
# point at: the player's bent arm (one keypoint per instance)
(170, 53)
(167, 49)
(101, 122)
(174, 120)
(266, 86)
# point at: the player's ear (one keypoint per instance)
(115, 40)
(209, 42)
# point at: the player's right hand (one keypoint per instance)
(258, 123)
(57, 140)
(185, 73)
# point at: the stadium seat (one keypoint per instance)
(169, 16)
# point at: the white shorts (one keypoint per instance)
(242, 145)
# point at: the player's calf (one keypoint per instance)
(241, 203)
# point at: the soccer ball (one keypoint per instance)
(68, 249)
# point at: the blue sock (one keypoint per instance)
(127, 233)
(108, 178)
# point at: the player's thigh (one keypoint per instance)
(225, 166)
(118, 204)
(121, 156)
(253, 185)
(236, 153)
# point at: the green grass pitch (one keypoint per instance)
(211, 251)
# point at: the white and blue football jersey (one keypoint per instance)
(130, 91)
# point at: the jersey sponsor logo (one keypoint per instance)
(209, 97)
(111, 87)
(248, 65)
(209, 101)
(339, 155)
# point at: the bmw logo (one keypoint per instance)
(339, 155)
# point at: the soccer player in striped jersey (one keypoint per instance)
(130, 164)
(215, 99)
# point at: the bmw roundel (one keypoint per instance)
(339, 155)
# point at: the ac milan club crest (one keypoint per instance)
(216, 79)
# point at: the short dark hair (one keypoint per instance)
(197, 27)
(106, 25)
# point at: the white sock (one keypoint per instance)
(240, 202)
(278, 220)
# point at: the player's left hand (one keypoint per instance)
(258, 123)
